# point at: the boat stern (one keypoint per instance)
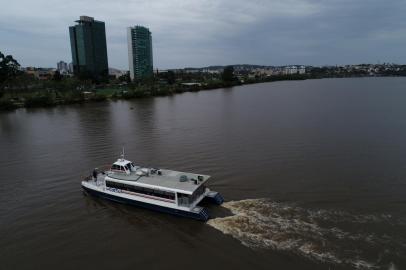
(214, 197)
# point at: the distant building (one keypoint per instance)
(192, 70)
(139, 52)
(292, 70)
(116, 73)
(62, 67)
(191, 84)
(40, 73)
(89, 48)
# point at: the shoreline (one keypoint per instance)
(53, 99)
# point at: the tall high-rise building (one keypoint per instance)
(139, 52)
(89, 48)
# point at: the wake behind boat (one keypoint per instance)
(163, 190)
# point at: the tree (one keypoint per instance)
(228, 74)
(125, 77)
(57, 76)
(170, 77)
(84, 75)
(9, 67)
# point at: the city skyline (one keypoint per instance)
(216, 33)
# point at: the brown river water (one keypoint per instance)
(313, 173)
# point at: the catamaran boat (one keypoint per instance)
(163, 190)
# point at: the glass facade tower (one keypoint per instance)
(140, 52)
(89, 48)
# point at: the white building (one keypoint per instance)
(62, 67)
(289, 70)
(292, 70)
(116, 72)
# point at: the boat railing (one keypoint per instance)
(101, 169)
(87, 178)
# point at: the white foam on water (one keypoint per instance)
(264, 224)
(342, 216)
(392, 266)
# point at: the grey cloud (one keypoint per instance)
(198, 33)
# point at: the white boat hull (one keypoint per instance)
(195, 212)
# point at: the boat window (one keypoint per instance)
(184, 199)
(198, 192)
(128, 166)
(147, 191)
(122, 168)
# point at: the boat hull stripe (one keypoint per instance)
(202, 215)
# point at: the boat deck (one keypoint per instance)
(169, 180)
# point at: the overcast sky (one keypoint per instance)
(197, 33)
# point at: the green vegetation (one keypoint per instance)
(9, 68)
(228, 74)
(23, 90)
(39, 101)
(7, 105)
(19, 89)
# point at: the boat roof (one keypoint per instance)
(168, 180)
(122, 162)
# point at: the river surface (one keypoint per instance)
(313, 173)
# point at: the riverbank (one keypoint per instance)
(54, 97)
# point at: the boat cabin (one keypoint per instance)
(182, 189)
(123, 166)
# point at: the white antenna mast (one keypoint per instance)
(122, 155)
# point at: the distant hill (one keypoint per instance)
(236, 66)
(115, 71)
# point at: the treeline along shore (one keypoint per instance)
(71, 91)
(19, 89)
